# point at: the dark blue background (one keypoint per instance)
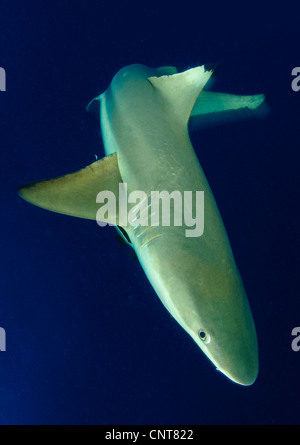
(88, 341)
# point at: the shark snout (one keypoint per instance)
(242, 366)
(243, 375)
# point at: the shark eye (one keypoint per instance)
(204, 336)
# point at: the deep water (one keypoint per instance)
(87, 339)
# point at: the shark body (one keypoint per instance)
(144, 118)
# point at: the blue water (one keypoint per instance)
(88, 341)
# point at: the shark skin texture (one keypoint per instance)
(144, 116)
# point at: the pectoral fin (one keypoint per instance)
(213, 108)
(211, 102)
(93, 107)
(75, 194)
(166, 70)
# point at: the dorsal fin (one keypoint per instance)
(181, 90)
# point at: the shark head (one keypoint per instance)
(209, 301)
(226, 336)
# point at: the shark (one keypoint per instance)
(144, 116)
